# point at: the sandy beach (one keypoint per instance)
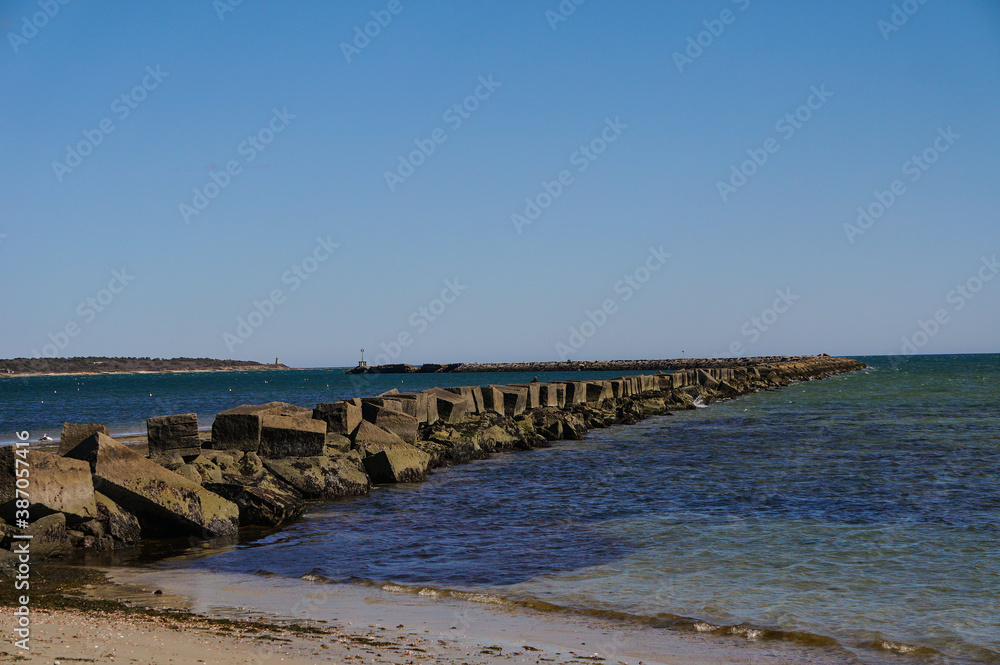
(226, 619)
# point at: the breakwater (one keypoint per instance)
(581, 365)
(263, 462)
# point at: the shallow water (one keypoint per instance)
(863, 508)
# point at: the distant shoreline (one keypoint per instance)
(239, 366)
(673, 364)
(151, 371)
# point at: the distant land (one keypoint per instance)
(103, 365)
(579, 365)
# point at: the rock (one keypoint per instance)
(387, 458)
(654, 405)
(190, 472)
(551, 394)
(532, 397)
(117, 522)
(447, 445)
(438, 452)
(239, 428)
(492, 399)
(92, 528)
(727, 389)
(473, 394)
(251, 467)
(340, 417)
(368, 435)
(209, 471)
(227, 461)
(409, 403)
(401, 463)
(73, 434)
(48, 535)
(549, 423)
(165, 503)
(451, 407)
(169, 434)
(286, 409)
(171, 460)
(706, 380)
(515, 400)
(292, 436)
(574, 427)
(267, 502)
(401, 424)
(336, 444)
(496, 439)
(56, 485)
(262, 498)
(323, 477)
(598, 391)
(576, 392)
(388, 403)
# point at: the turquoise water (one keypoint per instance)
(864, 509)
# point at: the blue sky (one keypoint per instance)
(332, 257)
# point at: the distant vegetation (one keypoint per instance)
(101, 365)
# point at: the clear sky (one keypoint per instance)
(498, 181)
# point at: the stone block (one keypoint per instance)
(176, 432)
(239, 428)
(340, 417)
(292, 436)
(55, 485)
(73, 434)
(401, 424)
(166, 504)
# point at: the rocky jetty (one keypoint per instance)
(264, 462)
(582, 365)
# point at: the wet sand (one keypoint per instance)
(277, 620)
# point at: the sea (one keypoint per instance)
(859, 512)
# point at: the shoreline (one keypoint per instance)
(154, 615)
(21, 375)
